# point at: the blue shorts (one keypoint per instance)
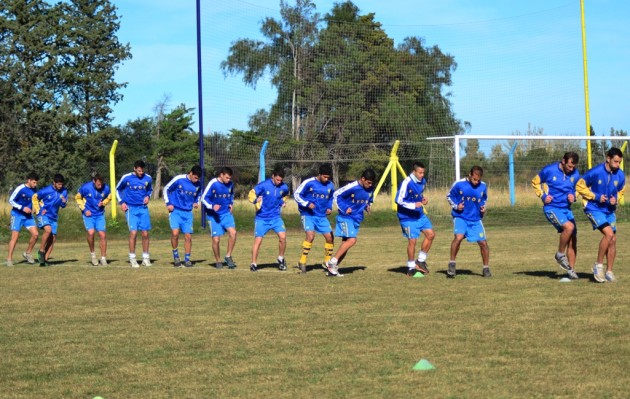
(413, 228)
(262, 226)
(43, 220)
(346, 227)
(18, 221)
(558, 216)
(181, 220)
(94, 222)
(318, 224)
(598, 219)
(138, 218)
(473, 231)
(219, 223)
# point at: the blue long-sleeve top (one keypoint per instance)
(552, 181)
(182, 193)
(473, 197)
(599, 181)
(218, 193)
(88, 198)
(409, 194)
(50, 200)
(312, 191)
(355, 197)
(132, 190)
(20, 198)
(273, 198)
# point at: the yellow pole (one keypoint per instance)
(112, 176)
(584, 59)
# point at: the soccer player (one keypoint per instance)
(555, 185)
(352, 200)
(315, 198)
(269, 196)
(92, 198)
(468, 198)
(218, 198)
(181, 196)
(21, 201)
(601, 188)
(413, 219)
(133, 192)
(46, 204)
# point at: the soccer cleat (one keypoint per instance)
(302, 267)
(282, 265)
(218, 265)
(134, 263)
(146, 262)
(422, 266)
(230, 262)
(411, 272)
(598, 273)
(451, 271)
(29, 258)
(103, 261)
(177, 262)
(188, 263)
(253, 267)
(333, 271)
(40, 258)
(94, 261)
(572, 274)
(486, 272)
(9, 263)
(610, 277)
(563, 261)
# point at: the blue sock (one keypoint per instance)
(187, 257)
(175, 253)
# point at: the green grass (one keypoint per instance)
(76, 331)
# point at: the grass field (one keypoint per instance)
(76, 331)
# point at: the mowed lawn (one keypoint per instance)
(76, 331)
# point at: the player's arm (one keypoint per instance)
(64, 198)
(36, 204)
(205, 197)
(149, 188)
(108, 198)
(582, 188)
(400, 197)
(14, 196)
(80, 199)
(297, 195)
(452, 197)
(119, 189)
(537, 185)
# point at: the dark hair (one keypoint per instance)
(476, 169)
(139, 164)
(571, 156)
(417, 165)
(32, 176)
(226, 171)
(278, 171)
(196, 170)
(369, 174)
(614, 152)
(58, 178)
(325, 169)
(98, 177)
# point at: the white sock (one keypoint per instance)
(132, 256)
(422, 256)
(280, 258)
(411, 264)
(145, 255)
(333, 261)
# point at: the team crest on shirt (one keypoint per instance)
(599, 182)
(554, 178)
(572, 179)
(615, 183)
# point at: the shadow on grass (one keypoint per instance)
(351, 269)
(461, 272)
(61, 262)
(554, 275)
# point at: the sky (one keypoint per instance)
(519, 63)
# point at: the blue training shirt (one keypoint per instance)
(355, 197)
(473, 197)
(88, 198)
(218, 193)
(132, 190)
(312, 191)
(409, 193)
(552, 181)
(49, 199)
(599, 181)
(182, 193)
(21, 197)
(273, 199)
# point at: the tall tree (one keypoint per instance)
(93, 55)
